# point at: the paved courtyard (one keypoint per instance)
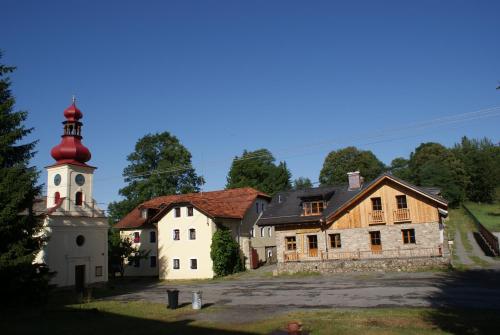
(253, 296)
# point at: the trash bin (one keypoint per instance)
(173, 299)
(197, 302)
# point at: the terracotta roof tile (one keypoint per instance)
(230, 204)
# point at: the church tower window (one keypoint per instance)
(57, 196)
(79, 198)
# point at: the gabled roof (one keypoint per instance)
(429, 192)
(286, 207)
(227, 204)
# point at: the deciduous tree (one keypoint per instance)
(257, 169)
(160, 165)
(434, 165)
(339, 162)
(478, 158)
(302, 183)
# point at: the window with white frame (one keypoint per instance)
(193, 264)
(192, 234)
(262, 232)
(190, 211)
(269, 231)
(177, 212)
(177, 264)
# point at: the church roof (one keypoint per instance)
(227, 204)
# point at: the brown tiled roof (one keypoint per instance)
(229, 204)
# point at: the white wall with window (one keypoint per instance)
(144, 240)
(184, 240)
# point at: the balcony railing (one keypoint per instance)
(402, 215)
(294, 256)
(377, 217)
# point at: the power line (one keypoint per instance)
(469, 116)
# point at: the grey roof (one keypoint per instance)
(286, 207)
(289, 210)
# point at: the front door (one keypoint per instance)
(313, 245)
(79, 278)
(375, 242)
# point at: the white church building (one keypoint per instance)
(77, 230)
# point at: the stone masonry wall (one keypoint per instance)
(337, 266)
(427, 235)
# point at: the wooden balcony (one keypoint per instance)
(402, 215)
(376, 217)
(291, 256)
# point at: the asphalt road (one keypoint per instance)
(472, 289)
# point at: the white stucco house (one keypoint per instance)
(76, 229)
(177, 230)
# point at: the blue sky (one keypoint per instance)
(300, 78)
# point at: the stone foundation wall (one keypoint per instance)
(427, 235)
(387, 264)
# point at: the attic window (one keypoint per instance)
(144, 213)
(313, 207)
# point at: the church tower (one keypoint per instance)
(77, 230)
(70, 179)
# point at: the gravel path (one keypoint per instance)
(463, 257)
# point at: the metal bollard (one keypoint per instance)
(197, 301)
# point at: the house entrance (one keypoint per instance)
(376, 242)
(79, 278)
(313, 245)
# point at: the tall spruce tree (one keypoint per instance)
(20, 280)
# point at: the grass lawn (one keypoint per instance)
(111, 317)
(487, 214)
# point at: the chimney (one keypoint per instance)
(355, 180)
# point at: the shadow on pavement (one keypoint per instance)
(467, 302)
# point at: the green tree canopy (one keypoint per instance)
(302, 183)
(339, 162)
(480, 160)
(399, 167)
(160, 165)
(20, 279)
(257, 169)
(434, 165)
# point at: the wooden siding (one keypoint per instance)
(421, 209)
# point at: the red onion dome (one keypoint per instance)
(72, 113)
(70, 150)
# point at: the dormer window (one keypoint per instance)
(313, 207)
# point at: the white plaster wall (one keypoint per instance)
(62, 254)
(144, 268)
(185, 249)
(68, 188)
